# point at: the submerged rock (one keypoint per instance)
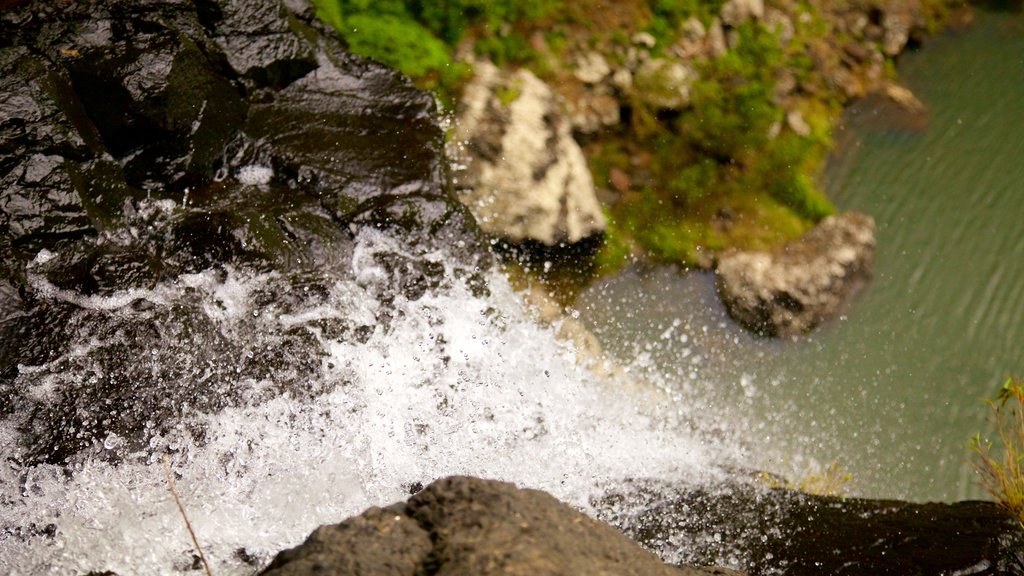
(792, 290)
(525, 178)
(463, 525)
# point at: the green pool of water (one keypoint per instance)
(894, 389)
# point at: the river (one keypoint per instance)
(893, 389)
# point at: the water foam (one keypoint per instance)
(454, 383)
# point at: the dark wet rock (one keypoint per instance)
(790, 291)
(145, 145)
(463, 525)
(42, 133)
(776, 531)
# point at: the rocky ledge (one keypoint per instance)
(140, 143)
(790, 291)
(463, 525)
(781, 531)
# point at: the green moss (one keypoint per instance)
(418, 37)
(693, 183)
(617, 250)
(330, 12)
(733, 107)
(728, 171)
(508, 94)
(667, 15)
(400, 43)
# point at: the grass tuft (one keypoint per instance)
(832, 480)
(1001, 468)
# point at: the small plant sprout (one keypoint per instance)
(1001, 468)
(831, 480)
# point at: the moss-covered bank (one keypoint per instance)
(705, 123)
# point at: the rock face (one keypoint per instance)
(462, 525)
(525, 177)
(791, 291)
(787, 532)
(141, 142)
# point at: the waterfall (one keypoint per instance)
(375, 394)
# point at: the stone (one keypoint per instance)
(788, 292)
(736, 12)
(895, 32)
(143, 142)
(644, 40)
(906, 99)
(796, 122)
(856, 22)
(691, 39)
(779, 22)
(594, 111)
(778, 530)
(525, 178)
(622, 80)
(463, 525)
(591, 68)
(664, 84)
(716, 45)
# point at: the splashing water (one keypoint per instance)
(399, 392)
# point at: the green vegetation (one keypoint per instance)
(831, 480)
(667, 14)
(727, 172)
(735, 168)
(1001, 468)
(418, 37)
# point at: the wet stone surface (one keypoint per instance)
(778, 531)
(145, 146)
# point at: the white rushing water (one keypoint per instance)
(456, 383)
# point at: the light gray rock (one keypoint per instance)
(591, 68)
(664, 84)
(736, 12)
(791, 291)
(525, 178)
(895, 32)
(716, 39)
(644, 39)
(622, 80)
(692, 39)
(796, 122)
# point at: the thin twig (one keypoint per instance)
(170, 483)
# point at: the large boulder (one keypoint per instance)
(792, 290)
(463, 525)
(525, 178)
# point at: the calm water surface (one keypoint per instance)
(893, 389)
